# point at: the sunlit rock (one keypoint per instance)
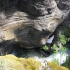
(11, 62)
(33, 25)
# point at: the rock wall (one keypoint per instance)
(30, 23)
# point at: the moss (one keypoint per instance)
(10, 56)
(11, 62)
(55, 66)
(61, 68)
(30, 63)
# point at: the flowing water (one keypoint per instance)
(60, 57)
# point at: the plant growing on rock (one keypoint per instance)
(11, 62)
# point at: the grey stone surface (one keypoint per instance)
(30, 25)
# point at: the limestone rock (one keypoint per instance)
(29, 25)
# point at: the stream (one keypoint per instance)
(60, 57)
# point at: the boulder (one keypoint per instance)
(30, 23)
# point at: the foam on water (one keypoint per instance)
(60, 57)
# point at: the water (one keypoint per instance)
(60, 57)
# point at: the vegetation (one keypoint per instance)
(11, 62)
(64, 37)
(45, 47)
(55, 66)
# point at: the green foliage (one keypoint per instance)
(65, 36)
(55, 48)
(63, 48)
(62, 38)
(45, 47)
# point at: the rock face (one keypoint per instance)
(63, 29)
(30, 23)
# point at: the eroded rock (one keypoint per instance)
(33, 25)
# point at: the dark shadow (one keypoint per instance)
(9, 47)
